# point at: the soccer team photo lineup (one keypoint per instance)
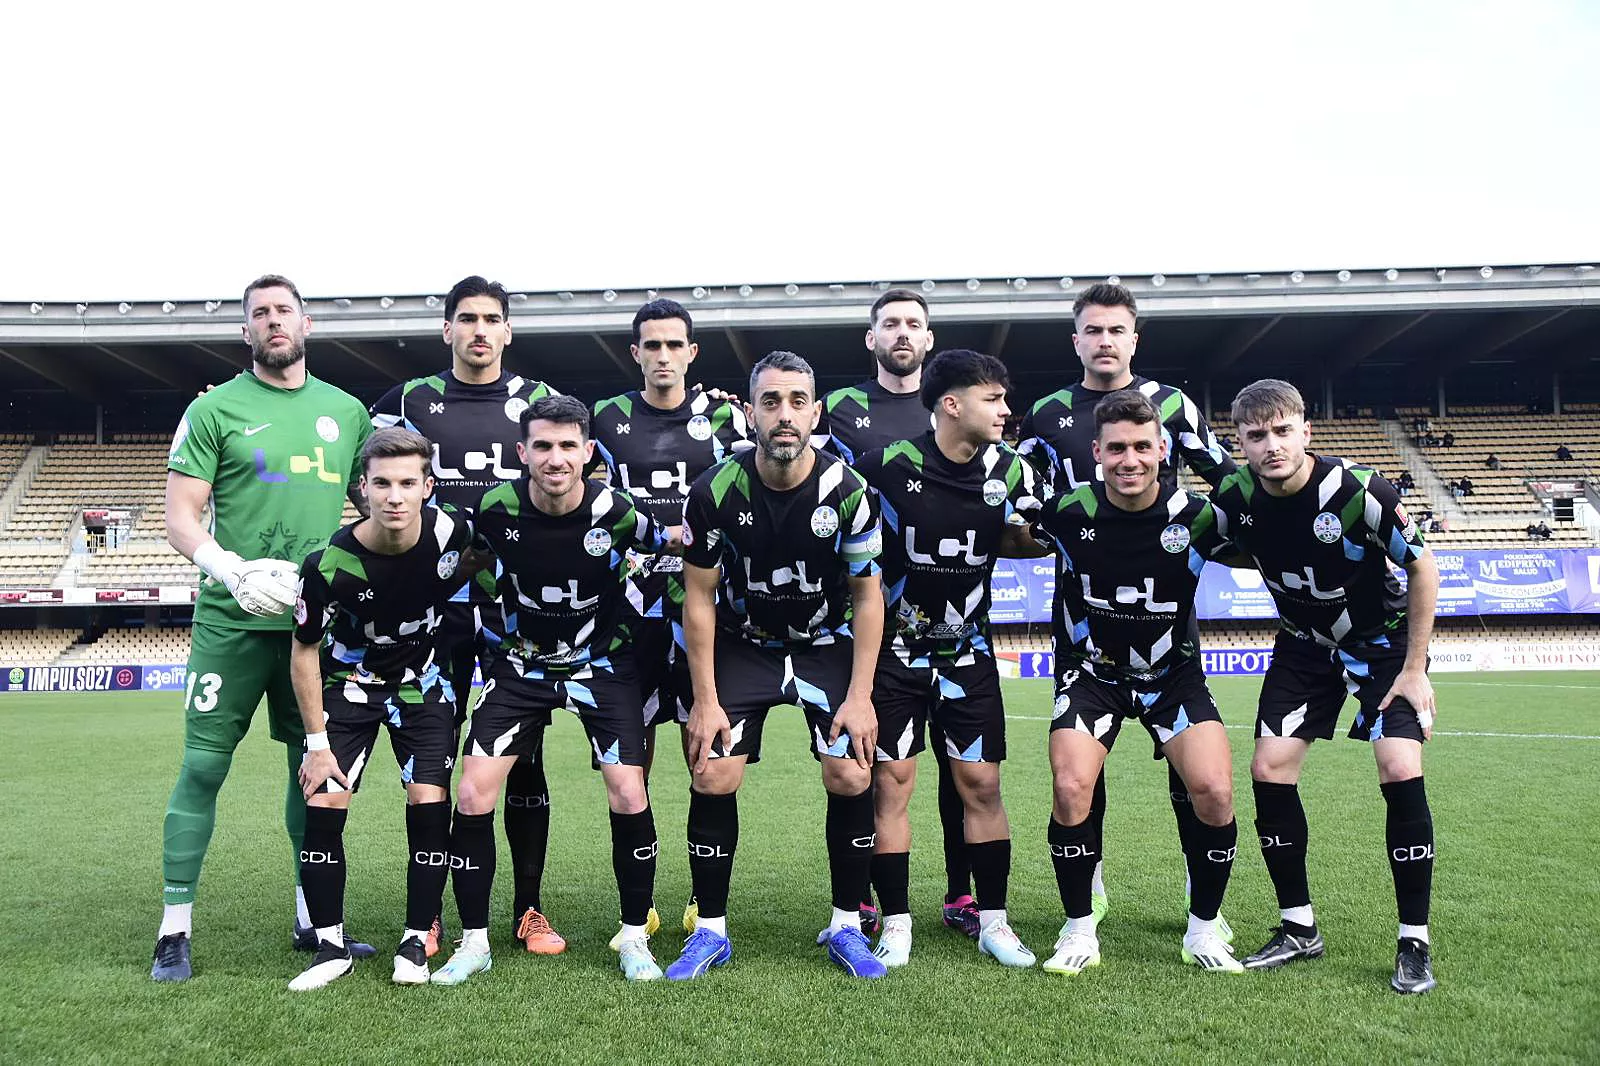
(676, 563)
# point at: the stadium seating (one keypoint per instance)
(31, 566)
(166, 644)
(35, 647)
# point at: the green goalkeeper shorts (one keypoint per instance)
(229, 672)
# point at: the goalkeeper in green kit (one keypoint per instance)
(274, 452)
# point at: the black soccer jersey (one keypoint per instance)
(785, 556)
(377, 615)
(559, 578)
(856, 420)
(1126, 580)
(1322, 550)
(474, 428)
(942, 525)
(654, 455)
(1057, 436)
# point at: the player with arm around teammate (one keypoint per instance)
(1129, 555)
(952, 500)
(1324, 532)
(561, 542)
(366, 655)
(273, 452)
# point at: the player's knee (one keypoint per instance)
(1267, 766)
(719, 778)
(1073, 794)
(338, 801)
(204, 768)
(892, 783)
(1212, 796)
(418, 794)
(980, 792)
(475, 796)
(627, 795)
(844, 777)
(1398, 760)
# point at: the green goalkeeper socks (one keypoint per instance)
(191, 815)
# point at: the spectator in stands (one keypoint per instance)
(1449, 439)
(1455, 489)
(1538, 531)
(1464, 485)
(1407, 482)
(1493, 462)
(1563, 453)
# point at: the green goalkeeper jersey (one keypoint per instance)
(279, 462)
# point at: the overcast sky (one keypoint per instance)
(160, 151)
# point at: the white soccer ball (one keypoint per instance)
(267, 587)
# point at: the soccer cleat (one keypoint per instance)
(305, 939)
(1099, 905)
(849, 950)
(1413, 968)
(435, 939)
(535, 933)
(1211, 953)
(171, 961)
(652, 922)
(703, 950)
(411, 962)
(636, 961)
(691, 915)
(894, 943)
(1224, 930)
(961, 914)
(871, 920)
(464, 962)
(999, 942)
(1074, 952)
(332, 962)
(1285, 947)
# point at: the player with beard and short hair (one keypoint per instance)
(366, 626)
(854, 421)
(470, 411)
(272, 452)
(952, 500)
(782, 604)
(1130, 550)
(1058, 435)
(654, 442)
(562, 544)
(1327, 535)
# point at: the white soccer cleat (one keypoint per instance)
(465, 962)
(636, 961)
(411, 963)
(332, 962)
(1001, 943)
(1074, 952)
(1210, 952)
(894, 943)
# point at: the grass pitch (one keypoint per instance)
(1514, 912)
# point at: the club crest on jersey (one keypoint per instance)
(300, 611)
(514, 408)
(994, 492)
(597, 541)
(447, 564)
(700, 427)
(328, 429)
(1327, 527)
(824, 521)
(1175, 537)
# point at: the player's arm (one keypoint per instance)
(1198, 445)
(305, 675)
(263, 587)
(1422, 598)
(708, 720)
(856, 714)
(1018, 542)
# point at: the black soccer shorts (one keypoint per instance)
(654, 655)
(961, 705)
(421, 723)
(752, 680)
(513, 710)
(1165, 707)
(1306, 686)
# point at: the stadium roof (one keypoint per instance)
(1312, 327)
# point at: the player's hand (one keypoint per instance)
(1417, 690)
(266, 587)
(720, 395)
(317, 767)
(707, 723)
(860, 720)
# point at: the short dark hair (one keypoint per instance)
(894, 296)
(1260, 401)
(270, 281)
(1105, 294)
(782, 361)
(1126, 405)
(395, 442)
(657, 310)
(563, 410)
(476, 286)
(960, 368)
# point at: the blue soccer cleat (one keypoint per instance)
(850, 951)
(171, 962)
(703, 950)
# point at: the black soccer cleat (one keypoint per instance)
(1413, 968)
(331, 962)
(171, 962)
(1286, 946)
(305, 939)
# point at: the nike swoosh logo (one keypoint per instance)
(251, 431)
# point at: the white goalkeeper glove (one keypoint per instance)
(263, 587)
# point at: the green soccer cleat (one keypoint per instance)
(463, 964)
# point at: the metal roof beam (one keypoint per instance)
(375, 357)
(998, 337)
(184, 383)
(1371, 339)
(624, 364)
(238, 361)
(741, 350)
(50, 370)
(1496, 337)
(1238, 341)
